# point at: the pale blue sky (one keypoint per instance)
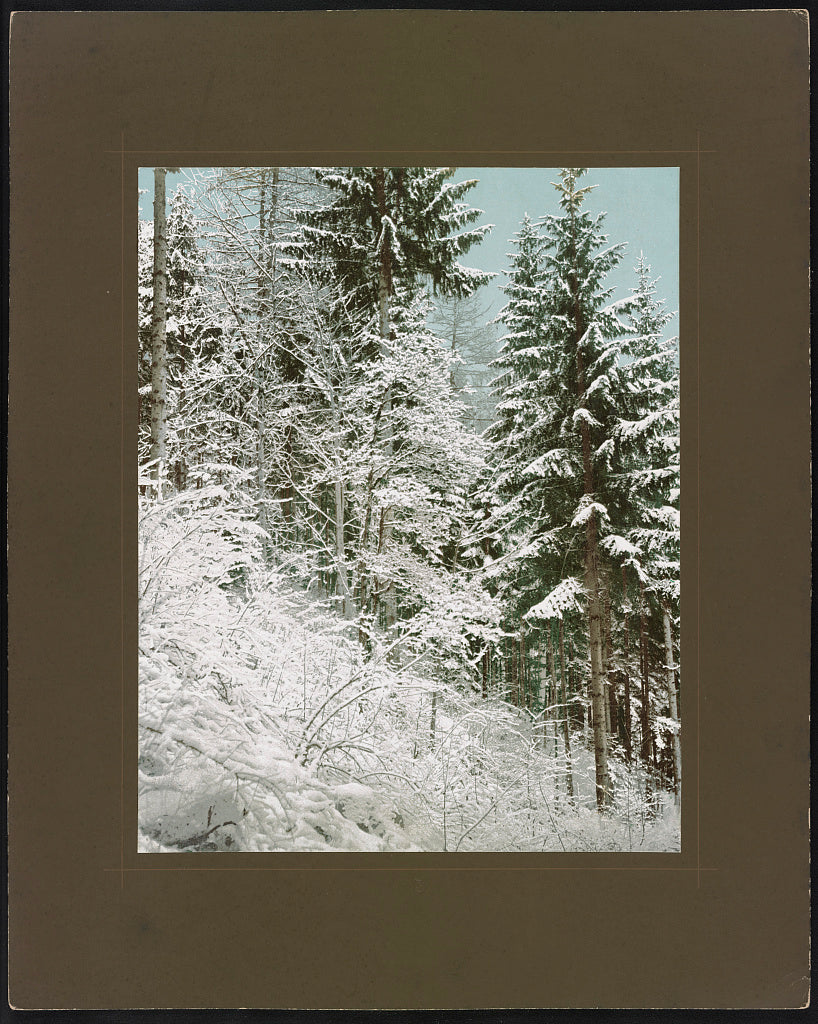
(641, 203)
(641, 206)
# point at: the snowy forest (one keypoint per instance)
(408, 565)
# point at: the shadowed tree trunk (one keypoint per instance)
(626, 738)
(566, 725)
(645, 747)
(159, 354)
(388, 594)
(552, 657)
(266, 295)
(342, 572)
(592, 589)
(543, 669)
(674, 709)
(515, 695)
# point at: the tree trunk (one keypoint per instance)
(342, 572)
(595, 640)
(525, 699)
(570, 677)
(610, 682)
(566, 725)
(159, 354)
(515, 696)
(546, 698)
(626, 738)
(674, 708)
(603, 793)
(389, 597)
(552, 657)
(288, 489)
(592, 580)
(342, 586)
(261, 456)
(603, 622)
(613, 705)
(645, 746)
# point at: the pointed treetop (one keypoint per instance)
(571, 197)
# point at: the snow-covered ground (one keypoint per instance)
(264, 726)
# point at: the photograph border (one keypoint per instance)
(88, 931)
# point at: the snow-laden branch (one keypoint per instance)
(565, 597)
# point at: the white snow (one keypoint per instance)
(263, 727)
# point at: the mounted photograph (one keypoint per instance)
(408, 488)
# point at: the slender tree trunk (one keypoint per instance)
(261, 455)
(570, 668)
(626, 738)
(159, 354)
(566, 725)
(674, 708)
(525, 695)
(592, 576)
(365, 584)
(270, 262)
(552, 657)
(484, 665)
(389, 596)
(645, 747)
(342, 585)
(610, 682)
(515, 695)
(180, 465)
(613, 705)
(592, 588)
(546, 697)
(287, 489)
(342, 571)
(597, 679)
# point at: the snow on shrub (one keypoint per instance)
(264, 725)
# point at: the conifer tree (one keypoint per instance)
(383, 229)
(580, 325)
(644, 457)
(388, 227)
(520, 388)
(192, 333)
(555, 420)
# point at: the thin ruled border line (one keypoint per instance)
(698, 507)
(455, 152)
(698, 151)
(341, 867)
(122, 514)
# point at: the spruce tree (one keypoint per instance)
(644, 457)
(522, 369)
(581, 323)
(384, 229)
(555, 421)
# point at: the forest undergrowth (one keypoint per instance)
(267, 725)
